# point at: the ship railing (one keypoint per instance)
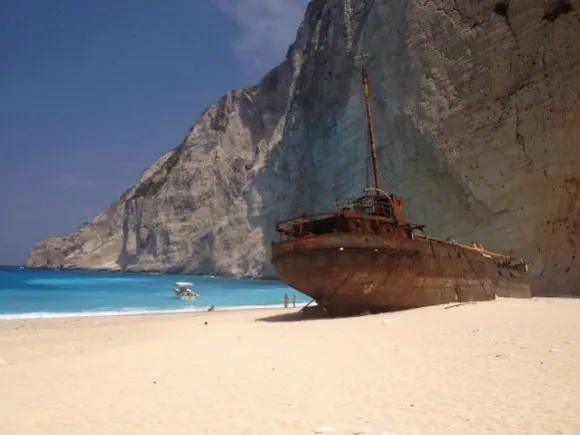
(370, 205)
(501, 260)
(286, 226)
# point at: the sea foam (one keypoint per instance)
(134, 312)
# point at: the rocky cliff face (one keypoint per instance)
(478, 126)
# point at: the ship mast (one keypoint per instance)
(370, 127)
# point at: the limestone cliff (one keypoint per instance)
(478, 127)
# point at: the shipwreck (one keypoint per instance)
(364, 257)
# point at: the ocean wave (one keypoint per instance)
(134, 312)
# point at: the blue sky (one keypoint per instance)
(92, 91)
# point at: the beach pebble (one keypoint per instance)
(324, 429)
(385, 321)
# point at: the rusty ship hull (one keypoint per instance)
(350, 274)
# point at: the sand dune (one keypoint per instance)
(500, 367)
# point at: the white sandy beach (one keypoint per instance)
(500, 367)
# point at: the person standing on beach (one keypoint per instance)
(294, 301)
(286, 300)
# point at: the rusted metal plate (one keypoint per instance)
(351, 274)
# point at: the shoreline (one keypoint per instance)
(36, 323)
(41, 315)
(7, 317)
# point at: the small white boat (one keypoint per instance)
(185, 290)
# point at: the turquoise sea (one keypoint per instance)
(30, 293)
